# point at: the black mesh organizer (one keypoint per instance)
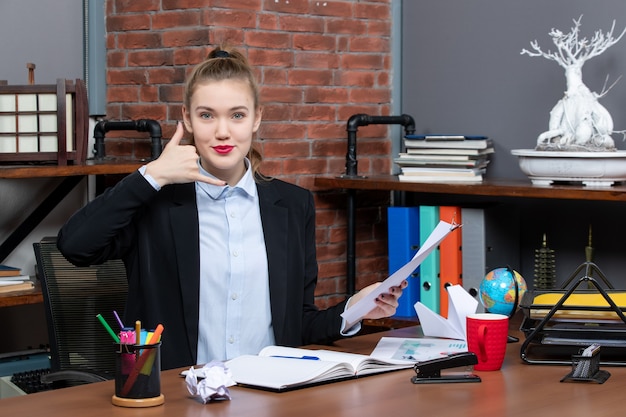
(559, 323)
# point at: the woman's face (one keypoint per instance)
(223, 118)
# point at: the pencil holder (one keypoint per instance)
(586, 369)
(138, 375)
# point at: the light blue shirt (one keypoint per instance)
(235, 315)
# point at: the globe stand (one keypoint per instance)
(513, 339)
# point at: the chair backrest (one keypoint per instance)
(73, 296)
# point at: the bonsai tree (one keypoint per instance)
(578, 122)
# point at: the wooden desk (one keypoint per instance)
(517, 390)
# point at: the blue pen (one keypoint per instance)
(311, 358)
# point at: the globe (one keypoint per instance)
(497, 290)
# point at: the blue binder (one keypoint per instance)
(404, 240)
(429, 269)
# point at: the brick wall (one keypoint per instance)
(317, 62)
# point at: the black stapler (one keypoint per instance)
(429, 372)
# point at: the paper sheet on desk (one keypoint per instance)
(357, 311)
(460, 305)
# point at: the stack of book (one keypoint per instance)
(11, 279)
(444, 158)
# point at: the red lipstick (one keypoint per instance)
(223, 149)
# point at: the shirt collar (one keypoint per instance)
(245, 184)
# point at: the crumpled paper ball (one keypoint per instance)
(210, 382)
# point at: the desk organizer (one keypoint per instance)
(558, 323)
(586, 369)
(44, 123)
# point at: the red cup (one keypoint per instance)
(487, 335)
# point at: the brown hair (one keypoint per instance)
(226, 64)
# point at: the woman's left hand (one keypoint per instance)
(386, 303)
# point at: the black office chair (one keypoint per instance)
(81, 349)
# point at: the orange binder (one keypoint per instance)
(450, 256)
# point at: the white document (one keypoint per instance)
(417, 349)
(460, 305)
(357, 311)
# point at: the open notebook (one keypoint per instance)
(281, 368)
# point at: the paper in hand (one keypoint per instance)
(357, 311)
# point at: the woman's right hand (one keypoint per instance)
(178, 163)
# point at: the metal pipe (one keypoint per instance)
(361, 119)
(351, 171)
(141, 125)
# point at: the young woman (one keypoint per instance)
(222, 256)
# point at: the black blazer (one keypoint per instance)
(156, 234)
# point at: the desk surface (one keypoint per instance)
(517, 390)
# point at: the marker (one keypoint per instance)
(108, 328)
(138, 332)
(156, 335)
(119, 321)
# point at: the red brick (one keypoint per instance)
(143, 111)
(314, 113)
(345, 26)
(281, 94)
(239, 4)
(305, 166)
(370, 95)
(150, 58)
(171, 93)
(122, 94)
(332, 8)
(264, 39)
(267, 21)
(166, 75)
(125, 6)
(309, 77)
(326, 60)
(357, 78)
(169, 20)
(362, 61)
(183, 4)
(311, 42)
(302, 24)
(324, 94)
(369, 44)
(126, 77)
(288, 149)
(272, 58)
(183, 38)
(294, 7)
(372, 11)
(128, 22)
(116, 59)
(328, 130)
(139, 40)
(149, 93)
(238, 18)
(274, 76)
